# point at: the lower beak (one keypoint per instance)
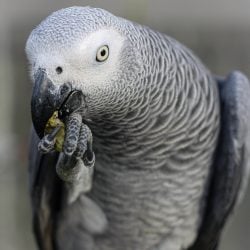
(45, 100)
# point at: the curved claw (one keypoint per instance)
(89, 162)
(47, 143)
(89, 156)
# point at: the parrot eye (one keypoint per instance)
(102, 53)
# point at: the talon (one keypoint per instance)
(68, 162)
(54, 132)
(89, 158)
(89, 162)
(47, 143)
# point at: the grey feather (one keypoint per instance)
(231, 165)
(154, 112)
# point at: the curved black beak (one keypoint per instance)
(45, 100)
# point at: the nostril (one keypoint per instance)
(59, 70)
(66, 88)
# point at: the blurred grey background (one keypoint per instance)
(218, 32)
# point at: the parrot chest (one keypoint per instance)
(144, 206)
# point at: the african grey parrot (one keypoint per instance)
(155, 154)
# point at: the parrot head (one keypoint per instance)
(84, 55)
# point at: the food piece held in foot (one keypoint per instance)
(52, 123)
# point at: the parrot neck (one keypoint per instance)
(164, 112)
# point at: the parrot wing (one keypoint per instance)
(231, 166)
(45, 190)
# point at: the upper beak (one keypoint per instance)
(45, 100)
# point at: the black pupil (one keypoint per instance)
(103, 52)
(59, 70)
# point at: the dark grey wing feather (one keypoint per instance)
(231, 165)
(45, 191)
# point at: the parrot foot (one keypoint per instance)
(78, 140)
(76, 161)
(75, 164)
